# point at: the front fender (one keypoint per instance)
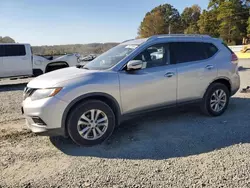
(40, 65)
(95, 95)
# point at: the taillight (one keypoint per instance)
(234, 58)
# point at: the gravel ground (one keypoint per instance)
(173, 148)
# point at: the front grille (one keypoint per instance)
(28, 92)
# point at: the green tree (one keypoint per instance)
(248, 27)
(217, 3)
(6, 40)
(227, 18)
(160, 20)
(152, 24)
(232, 15)
(190, 17)
(208, 23)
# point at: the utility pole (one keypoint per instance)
(169, 24)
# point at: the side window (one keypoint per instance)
(210, 49)
(228, 47)
(1, 51)
(14, 50)
(182, 52)
(154, 56)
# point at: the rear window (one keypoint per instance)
(13, 50)
(228, 48)
(182, 52)
(210, 49)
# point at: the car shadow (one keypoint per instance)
(241, 68)
(170, 133)
(12, 87)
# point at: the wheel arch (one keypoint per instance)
(37, 72)
(106, 98)
(222, 80)
(55, 62)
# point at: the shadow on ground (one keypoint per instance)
(170, 133)
(12, 87)
(241, 68)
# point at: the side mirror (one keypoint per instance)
(134, 65)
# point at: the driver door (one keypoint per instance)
(155, 85)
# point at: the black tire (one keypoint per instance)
(37, 72)
(206, 107)
(78, 111)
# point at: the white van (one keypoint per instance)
(17, 60)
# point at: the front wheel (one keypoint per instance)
(90, 123)
(37, 72)
(216, 100)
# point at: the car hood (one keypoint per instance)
(52, 78)
(60, 58)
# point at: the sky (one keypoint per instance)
(55, 22)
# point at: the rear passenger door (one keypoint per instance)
(16, 60)
(196, 68)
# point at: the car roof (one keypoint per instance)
(163, 36)
(180, 36)
(14, 44)
(135, 41)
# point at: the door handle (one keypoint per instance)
(169, 74)
(209, 67)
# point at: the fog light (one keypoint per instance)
(38, 121)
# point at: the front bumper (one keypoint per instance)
(49, 111)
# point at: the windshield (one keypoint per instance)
(111, 57)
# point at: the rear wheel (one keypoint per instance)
(216, 99)
(91, 123)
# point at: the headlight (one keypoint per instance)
(44, 93)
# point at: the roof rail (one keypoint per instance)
(127, 40)
(178, 35)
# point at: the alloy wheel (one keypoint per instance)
(92, 124)
(218, 100)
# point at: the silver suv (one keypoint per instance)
(87, 103)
